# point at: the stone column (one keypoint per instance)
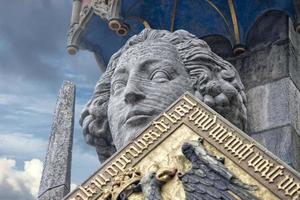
(55, 182)
(76, 11)
(270, 72)
(75, 18)
(297, 9)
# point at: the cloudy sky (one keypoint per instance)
(33, 65)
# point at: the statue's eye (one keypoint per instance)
(160, 76)
(117, 85)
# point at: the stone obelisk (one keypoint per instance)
(55, 182)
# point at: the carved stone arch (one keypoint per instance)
(271, 26)
(219, 45)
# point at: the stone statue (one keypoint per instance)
(151, 71)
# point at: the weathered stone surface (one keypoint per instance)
(283, 142)
(55, 182)
(296, 150)
(269, 62)
(264, 65)
(278, 141)
(273, 105)
(151, 71)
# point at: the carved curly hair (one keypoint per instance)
(215, 81)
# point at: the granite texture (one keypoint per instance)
(151, 71)
(55, 182)
(273, 105)
(56, 193)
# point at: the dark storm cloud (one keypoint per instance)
(32, 33)
(33, 58)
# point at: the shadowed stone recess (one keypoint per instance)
(270, 70)
(150, 72)
(55, 182)
(271, 60)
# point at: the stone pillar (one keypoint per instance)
(297, 9)
(270, 72)
(76, 11)
(75, 18)
(55, 182)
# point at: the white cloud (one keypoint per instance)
(19, 145)
(19, 184)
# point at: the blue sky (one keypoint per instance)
(33, 65)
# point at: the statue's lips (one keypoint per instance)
(137, 117)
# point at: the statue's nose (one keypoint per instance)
(133, 94)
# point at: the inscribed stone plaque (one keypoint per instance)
(191, 152)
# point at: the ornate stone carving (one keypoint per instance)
(149, 73)
(102, 8)
(209, 178)
(84, 12)
(72, 48)
(133, 182)
(159, 146)
(108, 10)
(77, 28)
(152, 182)
(122, 185)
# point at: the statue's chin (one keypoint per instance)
(130, 129)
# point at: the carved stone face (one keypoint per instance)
(148, 78)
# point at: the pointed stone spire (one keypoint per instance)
(55, 182)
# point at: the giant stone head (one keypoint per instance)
(151, 71)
